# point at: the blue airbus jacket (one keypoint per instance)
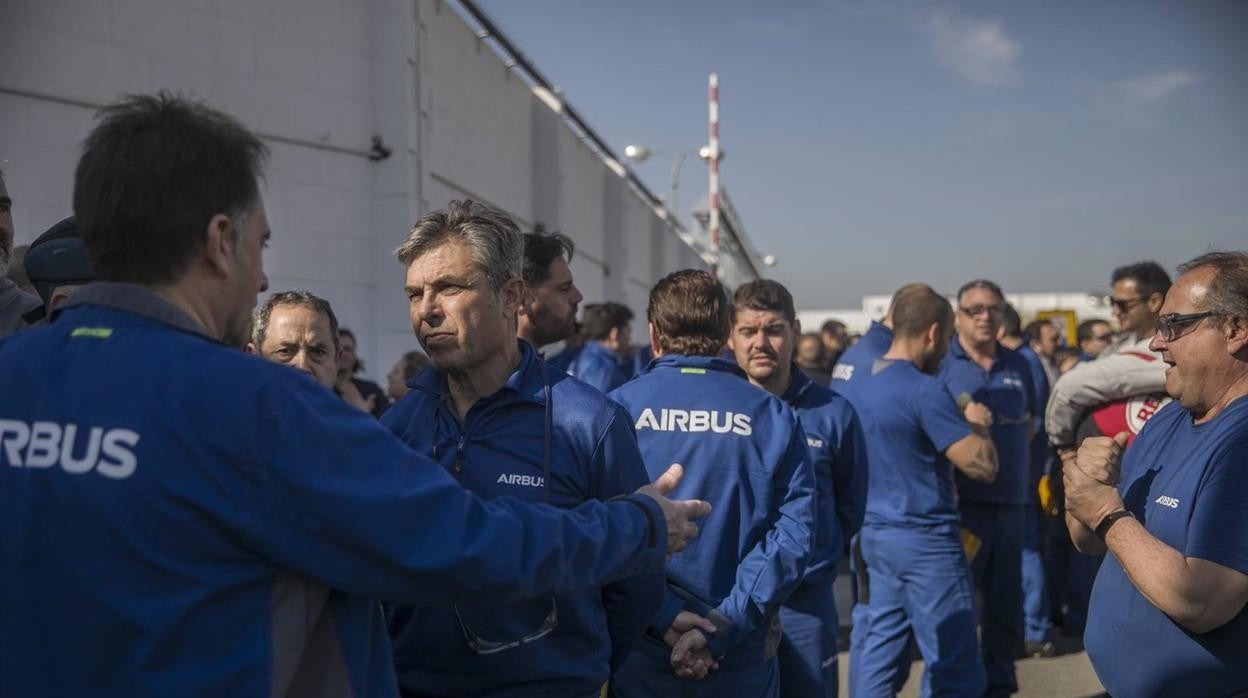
(857, 360)
(180, 518)
(498, 451)
(598, 366)
(1006, 389)
(838, 455)
(744, 451)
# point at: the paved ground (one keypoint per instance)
(1067, 675)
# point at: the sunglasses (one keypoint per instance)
(995, 310)
(1171, 326)
(1124, 306)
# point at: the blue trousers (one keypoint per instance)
(807, 652)
(1037, 620)
(647, 674)
(918, 582)
(998, 569)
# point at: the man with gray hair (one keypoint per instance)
(14, 302)
(505, 423)
(1169, 610)
(297, 329)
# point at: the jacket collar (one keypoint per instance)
(136, 299)
(524, 383)
(957, 351)
(799, 383)
(710, 363)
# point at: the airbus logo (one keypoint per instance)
(78, 450)
(813, 442)
(521, 480)
(695, 421)
(1168, 502)
(842, 372)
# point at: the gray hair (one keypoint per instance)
(496, 243)
(1228, 292)
(304, 299)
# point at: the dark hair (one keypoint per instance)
(765, 294)
(1032, 333)
(540, 250)
(152, 175)
(833, 327)
(359, 363)
(690, 313)
(57, 258)
(919, 311)
(1149, 277)
(1011, 322)
(1084, 331)
(1228, 292)
(304, 299)
(599, 319)
(980, 283)
(413, 362)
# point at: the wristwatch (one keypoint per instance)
(1103, 527)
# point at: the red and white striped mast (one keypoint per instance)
(713, 161)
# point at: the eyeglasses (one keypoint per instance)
(1124, 306)
(1171, 325)
(480, 645)
(995, 310)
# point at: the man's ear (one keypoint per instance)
(221, 243)
(1236, 331)
(252, 349)
(512, 295)
(654, 339)
(934, 333)
(1155, 302)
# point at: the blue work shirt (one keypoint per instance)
(498, 451)
(1186, 484)
(1042, 454)
(180, 518)
(910, 420)
(1006, 390)
(744, 451)
(598, 366)
(838, 455)
(857, 360)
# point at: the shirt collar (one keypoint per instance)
(136, 299)
(959, 352)
(798, 384)
(525, 382)
(712, 363)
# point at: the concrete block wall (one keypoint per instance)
(318, 79)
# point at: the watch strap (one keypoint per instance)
(1103, 527)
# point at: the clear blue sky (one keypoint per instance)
(869, 145)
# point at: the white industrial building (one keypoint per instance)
(333, 86)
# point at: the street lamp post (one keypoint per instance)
(640, 154)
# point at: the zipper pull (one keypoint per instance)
(459, 455)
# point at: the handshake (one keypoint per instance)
(689, 639)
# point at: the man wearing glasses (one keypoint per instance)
(1125, 368)
(1168, 613)
(978, 368)
(504, 423)
(1093, 336)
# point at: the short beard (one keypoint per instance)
(6, 256)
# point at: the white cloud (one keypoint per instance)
(1157, 86)
(979, 51)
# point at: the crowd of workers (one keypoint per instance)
(180, 517)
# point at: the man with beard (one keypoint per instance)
(14, 302)
(764, 331)
(548, 305)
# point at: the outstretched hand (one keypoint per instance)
(678, 513)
